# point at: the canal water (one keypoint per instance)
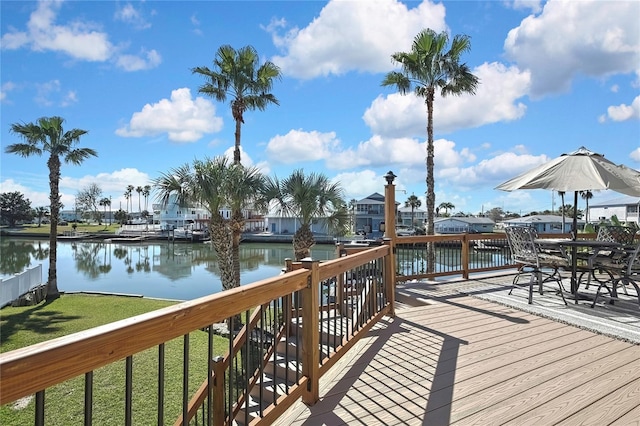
(162, 269)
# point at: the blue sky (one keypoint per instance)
(554, 76)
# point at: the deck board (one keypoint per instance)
(462, 360)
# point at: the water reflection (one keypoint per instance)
(158, 269)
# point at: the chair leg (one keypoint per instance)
(536, 275)
(561, 290)
(612, 294)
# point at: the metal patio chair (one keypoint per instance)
(624, 268)
(533, 261)
(623, 235)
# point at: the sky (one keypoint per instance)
(554, 76)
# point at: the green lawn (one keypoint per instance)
(24, 326)
(45, 229)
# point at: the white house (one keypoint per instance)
(545, 223)
(624, 208)
(404, 216)
(172, 216)
(461, 225)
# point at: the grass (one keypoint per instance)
(45, 229)
(24, 326)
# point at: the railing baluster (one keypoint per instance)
(161, 384)
(128, 408)
(88, 398)
(232, 368)
(245, 373)
(39, 414)
(185, 379)
(210, 372)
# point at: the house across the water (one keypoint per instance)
(463, 224)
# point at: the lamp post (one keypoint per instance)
(110, 216)
(389, 206)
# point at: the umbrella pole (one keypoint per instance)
(574, 249)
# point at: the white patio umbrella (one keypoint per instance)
(581, 170)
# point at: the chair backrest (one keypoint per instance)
(633, 263)
(616, 234)
(521, 242)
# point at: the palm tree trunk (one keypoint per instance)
(237, 224)
(236, 150)
(54, 199)
(431, 196)
(302, 242)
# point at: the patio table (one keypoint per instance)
(595, 247)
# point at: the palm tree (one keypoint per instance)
(413, 202)
(586, 195)
(237, 74)
(139, 191)
(214, 184)
(127, 195)
(562, 208)
(243, 187)
(353, 203)
(146, 191)
(428, 67)
(40, 213)
(309, 197)
(446, 206)
(104, 202)
(47, 135)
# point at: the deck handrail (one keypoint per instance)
(38, 367)
(32, 368)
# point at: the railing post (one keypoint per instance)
(464, 256)
(390, 239)
(390, 207)
(390, 277)
(311, 332)
(340, 282)
(218, 370)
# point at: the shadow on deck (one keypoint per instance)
(459, 357)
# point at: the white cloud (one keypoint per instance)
(146, 60)
(359, 184)
(298, 145)
(183, 119)
(37, 198)
(531, 5)
(352, 35)
(50, 93)
(130, 15)
(623, 112)
(79, 40)
(5, 89)
(635, 155)
(496, 100)
(499, 168)
(569, 38)
(378, 152)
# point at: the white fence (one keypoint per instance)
(14, 287)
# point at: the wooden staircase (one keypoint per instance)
(282, 371)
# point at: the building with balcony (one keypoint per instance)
(624, 208)
(461, 225)
(415, 218)
(545, 223)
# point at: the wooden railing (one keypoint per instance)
(327, 307)
(305, 319)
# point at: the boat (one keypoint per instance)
(487, 246)
(137, 239)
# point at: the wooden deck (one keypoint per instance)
(462, 360)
